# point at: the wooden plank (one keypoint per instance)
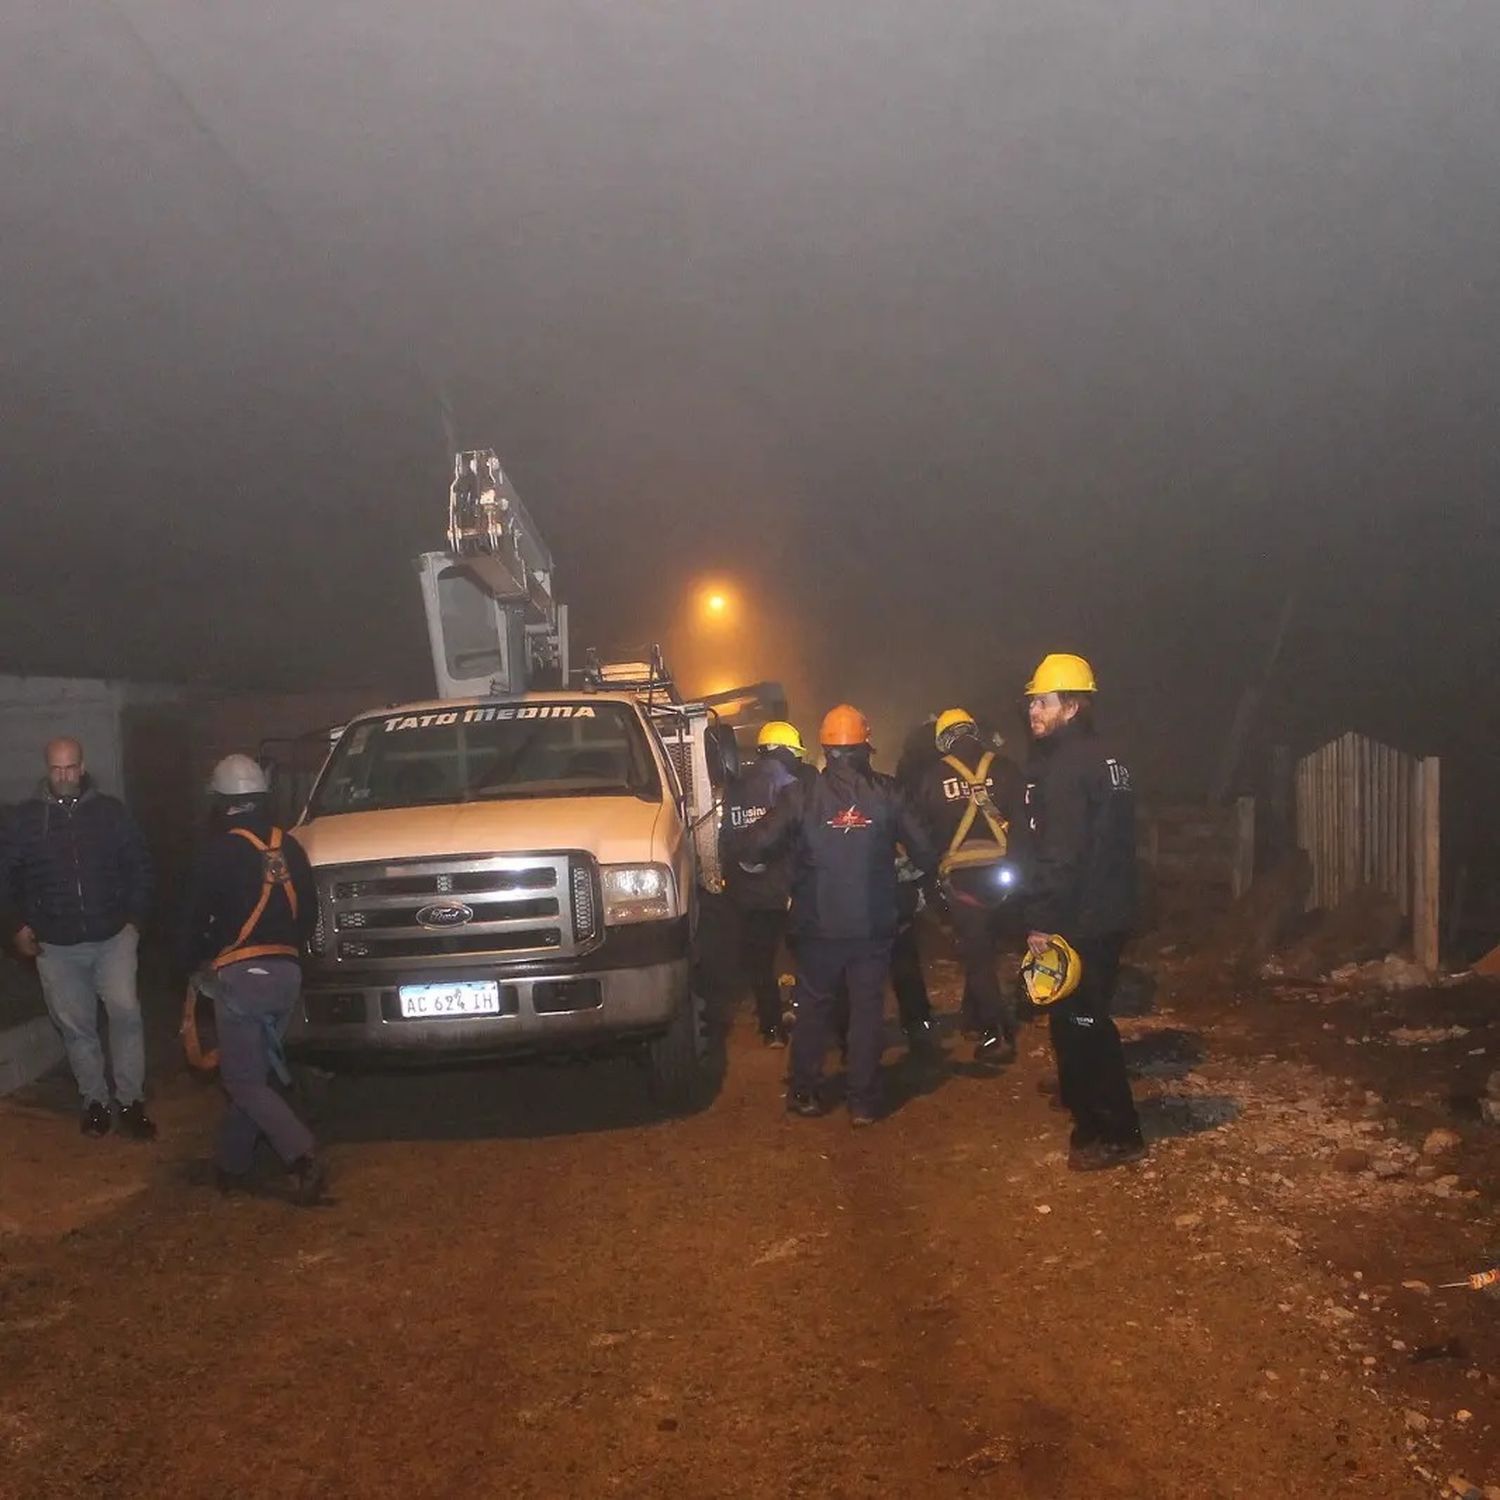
(1426, 915)
(1349, 806)
(1244, 851)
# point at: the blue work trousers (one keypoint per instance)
(254, 1002)
(864, 965)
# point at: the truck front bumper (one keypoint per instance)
(578, 1005)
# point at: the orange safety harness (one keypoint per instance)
(274, 875)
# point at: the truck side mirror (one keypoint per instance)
(723, 754)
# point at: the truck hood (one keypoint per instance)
(615, 830)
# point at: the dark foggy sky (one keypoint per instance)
(950, 333)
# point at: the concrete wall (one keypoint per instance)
(34, 710)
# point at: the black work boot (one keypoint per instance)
(996, 1049)
(309, 1180)
(96, 1120)
(1100, 1156)
(921, 1039)
(136, 1123)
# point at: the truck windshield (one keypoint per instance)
(479, 753)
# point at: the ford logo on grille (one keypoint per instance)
(445, 914)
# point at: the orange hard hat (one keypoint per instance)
(844, 725)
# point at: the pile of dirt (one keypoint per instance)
(1365, 926)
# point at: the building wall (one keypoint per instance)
(34, 710)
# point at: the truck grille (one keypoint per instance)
(509, 905)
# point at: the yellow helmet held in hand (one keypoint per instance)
(1061, 673)
(778, 734)
(1054, 973)
(951, 718)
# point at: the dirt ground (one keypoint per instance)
(530, 1286)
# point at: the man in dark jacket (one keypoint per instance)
(972, 798)
(75, 867)
(251, 907)
(1082, 886)
(843, 830)
(760, 889)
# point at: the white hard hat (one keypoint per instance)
(238, 776)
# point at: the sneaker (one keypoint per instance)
(775, 1038)
(309, 1179)
(799, 1103)
(858, 1119)
(1102, 1155)
(136, 1123)
(96, 1121)
(995, 1049)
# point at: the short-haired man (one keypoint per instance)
(1083, 887)
(76, 868)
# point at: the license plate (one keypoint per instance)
(462, 997)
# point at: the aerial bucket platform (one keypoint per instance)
(493, 622)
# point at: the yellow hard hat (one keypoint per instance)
(1061, 673)
(778, 733)
(1054, 973)
(950, 718)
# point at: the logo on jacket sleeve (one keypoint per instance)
(849, 820)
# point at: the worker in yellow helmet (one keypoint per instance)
(1082, 888)
(971, 799)
(760, 888)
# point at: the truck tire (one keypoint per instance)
(678, 1074)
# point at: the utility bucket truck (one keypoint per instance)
(513, 867)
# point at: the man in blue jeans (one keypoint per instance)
(75, 867)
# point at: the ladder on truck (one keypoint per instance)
(496, 628)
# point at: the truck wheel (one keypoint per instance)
(677, 1062)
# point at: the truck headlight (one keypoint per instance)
(638, 893)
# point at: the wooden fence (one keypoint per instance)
(1200, 857)
(1368, 815)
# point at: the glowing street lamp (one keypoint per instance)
(716, 605)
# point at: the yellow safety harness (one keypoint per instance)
(981, 852)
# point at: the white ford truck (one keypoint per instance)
(503, 871)
(498, 877)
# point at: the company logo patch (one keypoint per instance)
(445, 914)
(849, 820)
